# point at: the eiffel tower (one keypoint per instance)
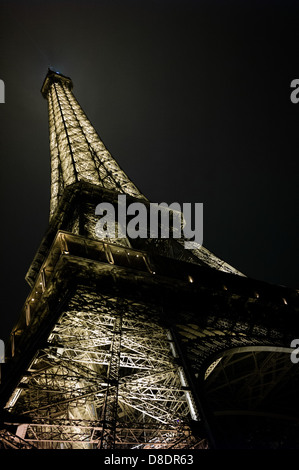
(139, 343)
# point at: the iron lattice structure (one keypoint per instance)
(77, 152)
(107, 377)
(135, 344)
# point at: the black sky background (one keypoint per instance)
(192, 98)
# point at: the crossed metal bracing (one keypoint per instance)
(9, 440)
(83, 432)
(254, 380)
(77, 152)
(107, 377)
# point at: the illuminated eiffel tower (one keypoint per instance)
(126, 343)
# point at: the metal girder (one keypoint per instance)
(77, 432)
(8, 440)
(244, 380)
(122, 379)
(76, 150)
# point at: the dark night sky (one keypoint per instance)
(192, 98)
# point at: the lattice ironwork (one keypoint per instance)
(77, 152)
(104, 370)
(106, 377)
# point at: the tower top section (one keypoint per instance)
(77, 152)
(54, 76)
